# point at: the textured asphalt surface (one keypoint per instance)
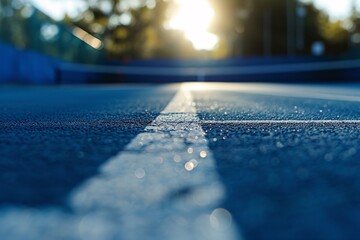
(286, 180)
(51, 140)
(285, 177)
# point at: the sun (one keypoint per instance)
(194, 19)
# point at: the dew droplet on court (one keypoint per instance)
(140, 173)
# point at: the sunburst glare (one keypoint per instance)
(194, 19)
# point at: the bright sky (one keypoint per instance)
(194, 18)
(57, 8)
(187, 18)
(337, 9)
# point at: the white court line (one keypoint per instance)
(281, 90)
(332, 122)
(145, 181)
(164, 185)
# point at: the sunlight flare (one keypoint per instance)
(194, 19)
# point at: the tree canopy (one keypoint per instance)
(137, 30)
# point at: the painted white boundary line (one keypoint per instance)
(164, 182)
(281, 90)
(164, 185)
(331, 122)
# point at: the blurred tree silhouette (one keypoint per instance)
(354, 31)
(252, 27)
(133, 32)
(319, 27)
(277, 27)
(11, 24)
(24, 26)
(135, 29)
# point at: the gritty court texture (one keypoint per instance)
(183, 161)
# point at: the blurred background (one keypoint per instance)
(92, 41)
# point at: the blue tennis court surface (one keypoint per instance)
(185, 161)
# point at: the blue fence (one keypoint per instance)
(26, 67)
